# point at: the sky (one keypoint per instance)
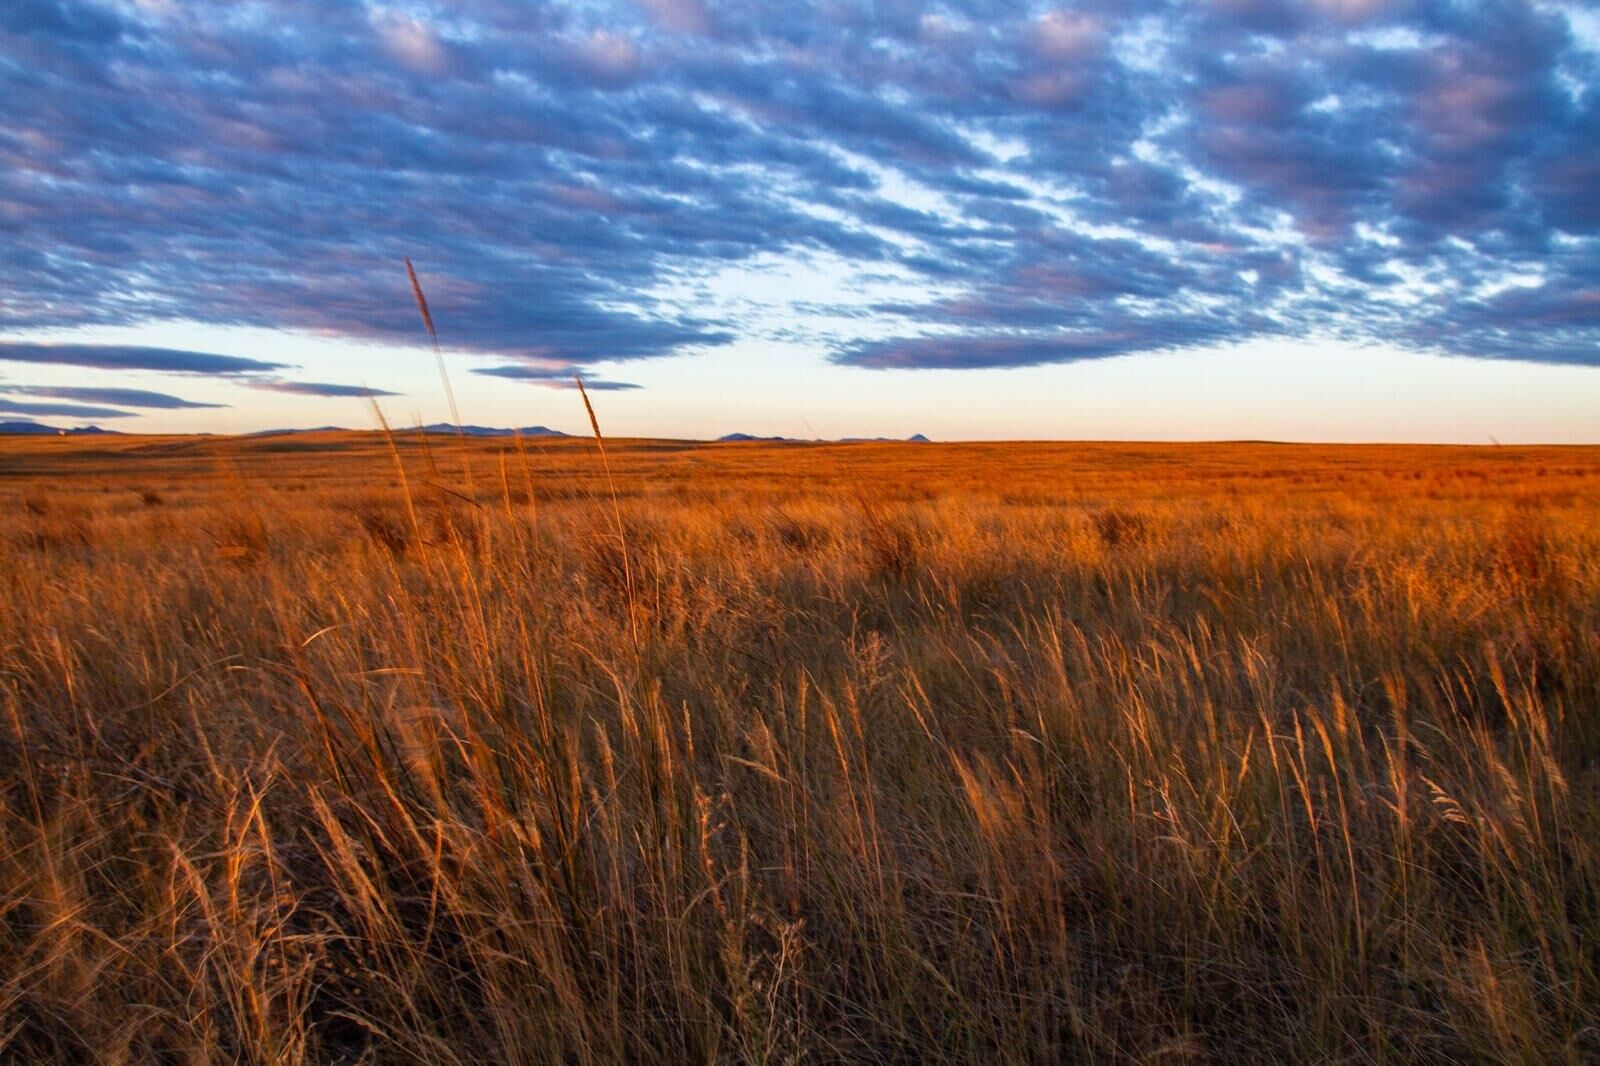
(1209, 219)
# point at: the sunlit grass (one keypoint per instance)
(775, 753)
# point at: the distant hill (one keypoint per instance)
(26, 427)
(39, 429)
(748, 437)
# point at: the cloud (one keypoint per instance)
(52, 18)
(62, 410)
(1068, 36)
(411, 42)
(988, 350)
(608, 59)
(553, 379)
(683, 16)
(586, 183)
(132, 357)
(121, 397)
(317, 388)
(596, 385)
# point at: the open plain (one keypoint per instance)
(334, 747)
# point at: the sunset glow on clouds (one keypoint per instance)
(590, 188)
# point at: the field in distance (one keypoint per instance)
(323, 747)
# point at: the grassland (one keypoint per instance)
(318, 750)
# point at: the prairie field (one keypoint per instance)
(337, 748)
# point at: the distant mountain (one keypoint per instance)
(26, 427)
(918, 438)
(39, 429)
(739, 437)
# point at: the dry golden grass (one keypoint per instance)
(977, 753)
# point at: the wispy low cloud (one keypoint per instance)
(62, 410)
(552, 379)
(251, 373)
(971, 352)
(996, 350)
(121, 397)
(133, 357)
(317, 388)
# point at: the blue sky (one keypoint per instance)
(1329, 219)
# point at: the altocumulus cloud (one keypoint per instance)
(575, 180)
